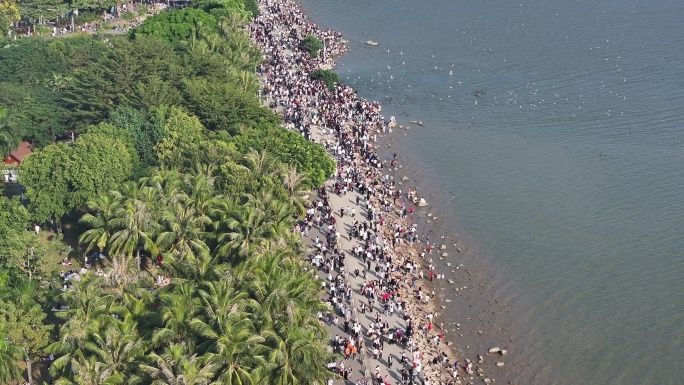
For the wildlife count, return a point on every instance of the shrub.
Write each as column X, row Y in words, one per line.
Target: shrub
column 128, row 16
column 253, row 7
column 43, row 29
column 312, row 44
column 326, row 76
column 85, row 17
column 175, row 26
column 143, row 10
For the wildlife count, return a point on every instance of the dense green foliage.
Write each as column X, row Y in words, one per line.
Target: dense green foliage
column 26, row 275
column 245, row 10
column 49, row 9
column 223, row 106
column 60, row 178
column 9, row 138
column 136, row 73
column 9, row 14
column 328, row 77
column 10, row 355
column 290, row 148
column 240, row 308
column 174, row 156
column 144, row 132
column 175, row 26
column 34, row 75
column 312, row 44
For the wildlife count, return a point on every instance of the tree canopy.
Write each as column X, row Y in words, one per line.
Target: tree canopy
column 9, row 14
column 174, row 26
column 312, row 44
column 188, row 186
column 60, row 178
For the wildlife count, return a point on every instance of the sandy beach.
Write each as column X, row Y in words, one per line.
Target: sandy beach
column 368, row 216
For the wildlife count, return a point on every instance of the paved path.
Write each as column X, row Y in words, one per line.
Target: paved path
column 351, row 263
column 362, row 366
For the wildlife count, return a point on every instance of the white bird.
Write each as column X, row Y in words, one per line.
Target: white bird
column 450, row 72
column 401, row 52
column 388, row 67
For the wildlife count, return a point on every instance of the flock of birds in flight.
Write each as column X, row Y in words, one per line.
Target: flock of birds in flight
column 396, row 91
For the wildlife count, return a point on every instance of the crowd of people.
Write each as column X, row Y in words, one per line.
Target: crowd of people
column 348, row 126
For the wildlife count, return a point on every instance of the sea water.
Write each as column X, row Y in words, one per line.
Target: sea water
column 554, row 130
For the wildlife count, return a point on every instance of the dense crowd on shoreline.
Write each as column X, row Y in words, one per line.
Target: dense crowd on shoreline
column 348, row 127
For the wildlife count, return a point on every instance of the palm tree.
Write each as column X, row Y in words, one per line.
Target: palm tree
column 204, row 267
column 185, row 232
column 222, row 301
column 199, row 47
column 124, row 274
column 240, row 47
column 88, row 307
column 241, row 231
column 175, row 366
column 167, row 184
column 136, row 305
column 280, row 215
column 60, row 82
column 296, row 185
column 245, row 78
column 201, row 191
column 179, row 306
column 100, row 218
column 10, row 355
column 231, row 24
column 270, row 247
column 286, row 296
column 296, row 356
column 137, row 223
column 88, row 370
column 117, row 345
column 214, row 42
column 261, row 163
column 234, row 349
column 231, row 343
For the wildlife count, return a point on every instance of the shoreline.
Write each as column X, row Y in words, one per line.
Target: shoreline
column 371, row 174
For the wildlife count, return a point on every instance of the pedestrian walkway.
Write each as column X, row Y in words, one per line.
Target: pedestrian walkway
column 365, row 366
column 395, row 321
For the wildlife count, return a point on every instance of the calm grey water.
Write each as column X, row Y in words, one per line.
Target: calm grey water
column 568, row 168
